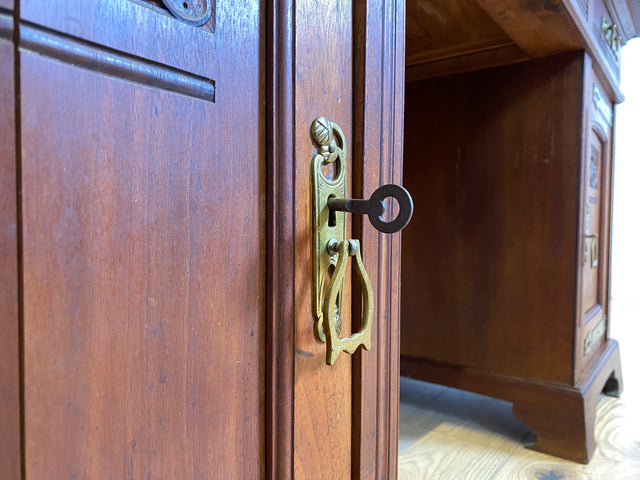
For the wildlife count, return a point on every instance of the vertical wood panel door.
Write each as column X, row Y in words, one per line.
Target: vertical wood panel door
column 342, row 60
column 9, row 304
column 159, row 309
column 144, row 240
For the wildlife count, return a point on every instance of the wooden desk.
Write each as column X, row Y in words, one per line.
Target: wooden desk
column 505, row 267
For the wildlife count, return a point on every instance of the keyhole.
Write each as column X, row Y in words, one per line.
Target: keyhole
column 185, row 5
column 332, row 214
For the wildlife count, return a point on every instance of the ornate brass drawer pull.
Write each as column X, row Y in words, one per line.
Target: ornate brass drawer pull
column 331, row 248
column 611, row 36
column 336, row 344
column 594, row 249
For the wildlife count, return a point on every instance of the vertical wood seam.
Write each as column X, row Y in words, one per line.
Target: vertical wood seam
column 19, row 232
column 358, row 121
column 281, row 245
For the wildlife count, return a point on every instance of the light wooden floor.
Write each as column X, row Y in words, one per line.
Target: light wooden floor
column 448, row 434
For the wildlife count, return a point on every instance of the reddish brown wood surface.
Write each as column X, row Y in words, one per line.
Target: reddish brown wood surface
column 592, row 305
column 561, row 416
column 538, row 29
column 144, row 255
column 282, row 260
column 340, row 421
column 444, row 29
column 489, row 262
column 9, row 360
column 378, row 123
column 592, row 202
column 446, row 37
column 322, row 393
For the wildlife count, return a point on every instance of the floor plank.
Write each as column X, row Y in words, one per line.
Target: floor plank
column 448, row 434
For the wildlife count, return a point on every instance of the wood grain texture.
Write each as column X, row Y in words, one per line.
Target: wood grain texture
column 169, row 33
column 6, row 26
column 451, row 434
column 445, row 37
column 561, row 416
column 333, row 422
column 495, row 57
column 594, row 283
column 489, row 260
column 9, row 338
column 539, row 29
column 322, row 393
column 144, row 261
column 588, row 28
column 280, row 355
column 378, row 128
column 116, row 64
column 495, row 287
column 444, row 29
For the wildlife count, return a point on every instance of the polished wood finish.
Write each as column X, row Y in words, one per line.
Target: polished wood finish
column 540, row 29
column 281, row 254
column 340, row 421
column 592, row 303
column 449, row 37
column 443, row 29
column 322, row 429
column 449, row 433
column 494, row 279
column 9, row 305
column 377, row 151
column 561, row 416
column 148, row 348
column 144, row 249
column 469, row 62
column 494, row 165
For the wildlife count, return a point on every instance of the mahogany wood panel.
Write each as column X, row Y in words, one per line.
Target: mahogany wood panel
column 377, row 155
column 540, row 29
column 9, row 341
column 446, row 37
column 348, row 411
column 587, row 24
column 169, row 33
column 281, row 295
column 597, row 160
column 594, row 284
column 489, row 259
column 444, row 28
column 144, row 261
column 561, row 416
column 495, row 57
column 322, row 393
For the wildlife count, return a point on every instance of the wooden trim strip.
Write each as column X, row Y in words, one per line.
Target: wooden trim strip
column 10, row 272
column 111, row 62
column 280, row 240
column 6, row 25
column 379, row 59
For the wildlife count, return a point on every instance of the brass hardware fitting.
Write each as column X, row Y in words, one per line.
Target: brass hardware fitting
column 612, row 37
column 331, row 249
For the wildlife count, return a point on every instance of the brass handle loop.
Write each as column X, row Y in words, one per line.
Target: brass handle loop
column 335, row 343
column 331, row 249
column 594, row 249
